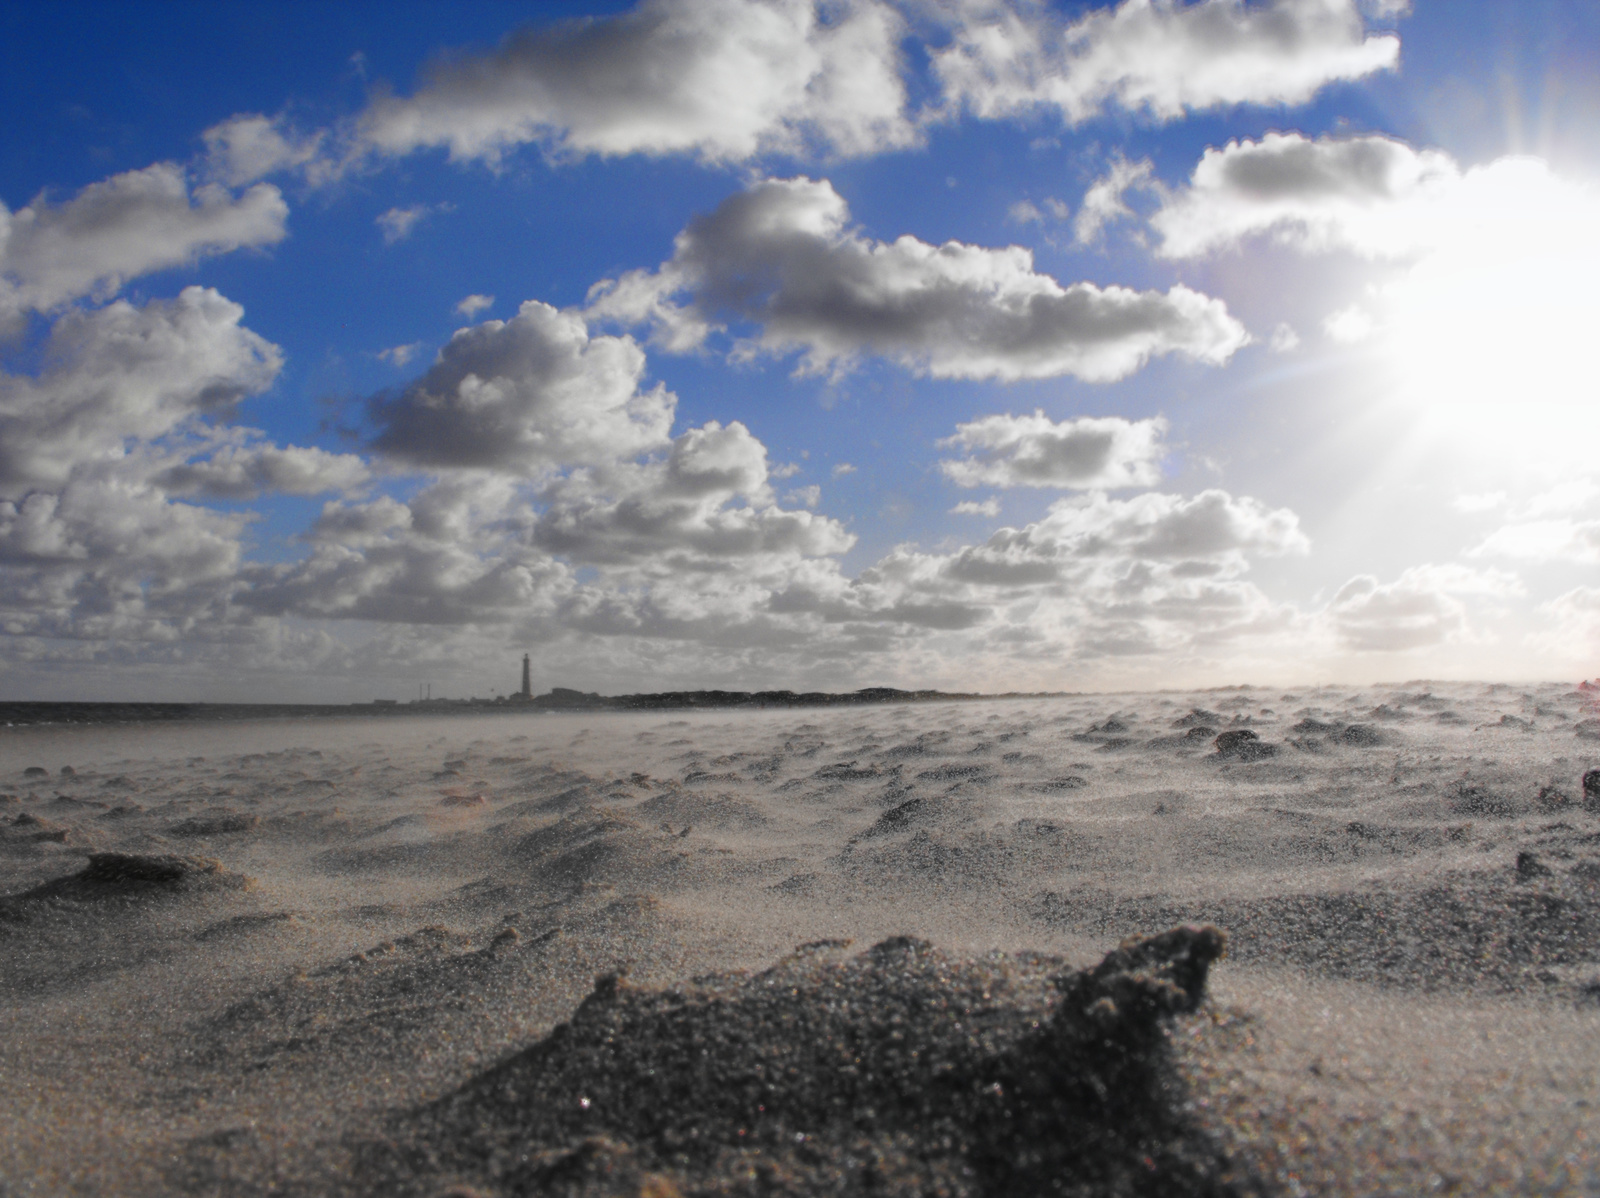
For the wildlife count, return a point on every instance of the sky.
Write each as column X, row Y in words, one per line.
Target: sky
column 986, row 345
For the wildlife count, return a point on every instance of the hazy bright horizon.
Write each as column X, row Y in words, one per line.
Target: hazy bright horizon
column 969, row 344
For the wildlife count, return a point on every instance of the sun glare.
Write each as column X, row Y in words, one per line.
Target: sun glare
column 1489, row 336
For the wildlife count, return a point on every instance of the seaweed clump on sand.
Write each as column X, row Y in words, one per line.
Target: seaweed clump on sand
column 895, row 1072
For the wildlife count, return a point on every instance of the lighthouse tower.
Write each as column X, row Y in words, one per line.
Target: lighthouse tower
column 527, row 679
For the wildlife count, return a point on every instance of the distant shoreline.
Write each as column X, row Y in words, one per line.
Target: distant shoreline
column 559, row 699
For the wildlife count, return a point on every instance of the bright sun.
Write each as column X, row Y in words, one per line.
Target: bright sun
column 1491, row 336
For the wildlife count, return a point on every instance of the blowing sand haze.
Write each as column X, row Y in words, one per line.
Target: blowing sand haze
column 855, row 950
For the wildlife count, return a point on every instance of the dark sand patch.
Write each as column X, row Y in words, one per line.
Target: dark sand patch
column 896, row 1072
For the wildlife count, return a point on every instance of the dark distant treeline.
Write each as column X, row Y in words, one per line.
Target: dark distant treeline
column 559, row 699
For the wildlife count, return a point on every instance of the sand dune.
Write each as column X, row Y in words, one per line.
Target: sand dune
column 360, row 956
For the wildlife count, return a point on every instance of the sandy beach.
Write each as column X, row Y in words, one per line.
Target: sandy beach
column 854, row 950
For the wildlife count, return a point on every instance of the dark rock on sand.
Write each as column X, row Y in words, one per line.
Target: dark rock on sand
column 1473, row 799
column 1591, row 791
column 28, row 828
column 36, row 771
column 1242, row 744
column 1361, row 735
column 1530, row 867
column 110, row 876
column 897, row 1072
column 219, row 824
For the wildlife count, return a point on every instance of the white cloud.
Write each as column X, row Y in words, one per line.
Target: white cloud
column 1372, row 195
column 1566, row 496
column 400, row 355
column 1024, row 212
column 123, row 374
column 454, row 555
column 1103, row 203
column 250, row 146
column 1350, row 326
column 1571, row 626
column 782, row 255
column 1543, row 540
column 808, row 496
column 108, row 533
column 525, row 396
column 674, row 514
column 842, row 469
column 474, row 304
column 1212, row 525
column 686, row 546
column 123, row 227
column 1423, row 607
column 721, row 79
column 1035, row 451
column 1154, row 57
column 1489, row 293
column 989, row 507
column 1155, row 575
column 396, row 224
column 1481, row 502
column 1284, row 339
column 247, row 470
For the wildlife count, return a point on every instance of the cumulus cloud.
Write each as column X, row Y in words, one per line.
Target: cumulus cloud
column 1372, row 195
column 1103, row 203
column 121, row 374
column 1034, row 451
column 686, row 545
column 525, row 396
column 120, row 228
column 842, row 469
column 249, row 146
column 474, row 304
column 246, row 470
column 109, row 556
column 781, row 255
column 720, row 79
column 1156, row 58
column 1423, row 607
column 453, row 555
column 1096, row 577
column 1571, row 631
column 675, row 514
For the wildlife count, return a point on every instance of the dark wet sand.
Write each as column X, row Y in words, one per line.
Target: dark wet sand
column 332, row 957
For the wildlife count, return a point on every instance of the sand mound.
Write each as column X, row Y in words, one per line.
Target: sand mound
column 898, row 1071
column 219, row 823
column 135, row 875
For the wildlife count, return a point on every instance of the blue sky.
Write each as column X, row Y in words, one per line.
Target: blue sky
column 769, row 343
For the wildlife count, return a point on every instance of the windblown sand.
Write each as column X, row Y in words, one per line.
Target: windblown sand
column 840, row 950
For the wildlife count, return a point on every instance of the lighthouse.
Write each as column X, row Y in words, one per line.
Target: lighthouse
column 527, row 679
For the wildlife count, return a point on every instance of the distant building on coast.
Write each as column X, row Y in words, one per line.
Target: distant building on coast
column 526, row 693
